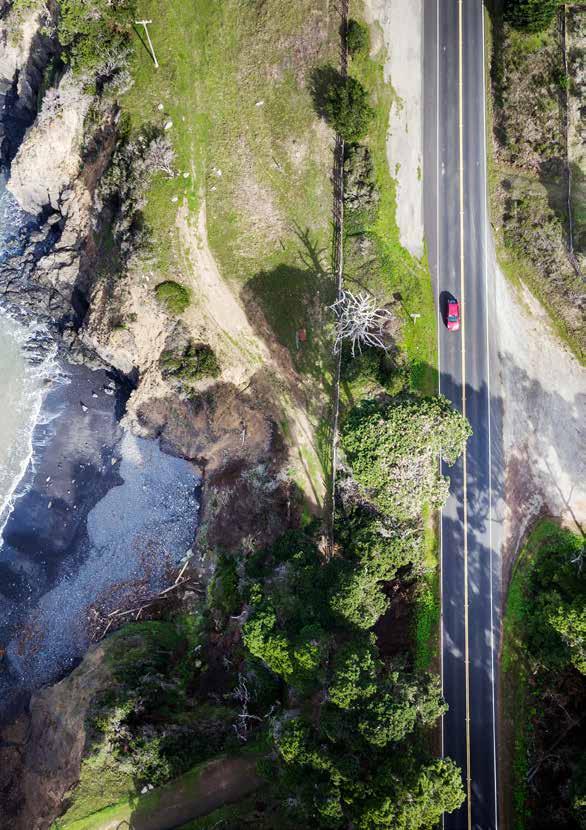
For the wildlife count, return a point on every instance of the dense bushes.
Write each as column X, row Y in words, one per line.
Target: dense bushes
column 195, row 362
column 175, row 298
column 95, row 34
column 531, row 15
column 544, row 651
column 306, row 624
column 556, row 592
column 145, row 717
column 346, row 107
column 357, row 38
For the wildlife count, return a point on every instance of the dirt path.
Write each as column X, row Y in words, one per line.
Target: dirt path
column 246, row 346
column 195, row 794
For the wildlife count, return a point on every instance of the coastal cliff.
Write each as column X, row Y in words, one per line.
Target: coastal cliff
column 116, row 255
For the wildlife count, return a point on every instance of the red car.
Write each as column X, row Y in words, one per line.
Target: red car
column 452, row 315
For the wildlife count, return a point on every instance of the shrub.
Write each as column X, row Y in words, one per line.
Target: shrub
column 346, row 108
column 357, row 38
column 173, row 296
column 91, row 31
column 223, row 591
column 195, row 362
column 531, row 15
column 361, row 195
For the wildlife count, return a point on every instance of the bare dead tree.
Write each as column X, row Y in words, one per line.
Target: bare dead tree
column 242, row 695
column 360, row 321
column 160, row 156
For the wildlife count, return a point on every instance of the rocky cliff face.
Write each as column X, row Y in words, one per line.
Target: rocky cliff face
column 49, row 158
column 26, row 52
column 41, row 752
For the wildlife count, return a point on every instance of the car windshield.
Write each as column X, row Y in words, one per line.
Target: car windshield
column 452, row 318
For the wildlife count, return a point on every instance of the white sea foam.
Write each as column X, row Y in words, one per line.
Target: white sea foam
column 23, row 387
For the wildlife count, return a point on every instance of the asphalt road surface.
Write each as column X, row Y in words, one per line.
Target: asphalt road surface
column 457, row 232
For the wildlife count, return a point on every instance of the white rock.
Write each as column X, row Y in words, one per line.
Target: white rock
column 160, row 108
column 259, row 104
column 175, row 198
column 168, row 125
column 83, row 407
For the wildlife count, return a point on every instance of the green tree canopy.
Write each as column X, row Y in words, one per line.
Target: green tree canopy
column 531, row 15
column 393, row 449
column 387, row 790
column 347, row 109
column 568, row 619
column 415, row 799
column 357, row 37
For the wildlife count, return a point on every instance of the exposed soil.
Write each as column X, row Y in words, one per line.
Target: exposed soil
column 544, row 419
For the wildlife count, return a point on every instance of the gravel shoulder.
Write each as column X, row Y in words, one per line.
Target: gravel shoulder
column 544, row 419
column 401, row 22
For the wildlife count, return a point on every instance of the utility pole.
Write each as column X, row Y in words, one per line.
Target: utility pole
column 145, row 23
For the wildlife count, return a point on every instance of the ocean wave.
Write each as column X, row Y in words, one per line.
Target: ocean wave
column 37, row 378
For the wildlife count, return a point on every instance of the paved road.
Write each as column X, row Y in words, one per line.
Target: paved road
column 457, row 233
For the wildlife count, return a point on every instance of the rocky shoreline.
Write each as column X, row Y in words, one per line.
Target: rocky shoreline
column 98, row 510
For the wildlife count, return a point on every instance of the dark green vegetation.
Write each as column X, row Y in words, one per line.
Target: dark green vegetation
column 544, row 677
column 528, row 178
column 195, row 362
column 531, row 15
column 173, row 296
column 94, row 33
column 357, row 37
column 150, row 725
column 378, row 442
column 345, row 106
column 352, row 747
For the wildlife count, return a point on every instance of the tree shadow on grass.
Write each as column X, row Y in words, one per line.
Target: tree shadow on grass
column 322, row 79
column 289, row 303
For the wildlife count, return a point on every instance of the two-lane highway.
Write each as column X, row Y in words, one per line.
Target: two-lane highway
column 456, row 223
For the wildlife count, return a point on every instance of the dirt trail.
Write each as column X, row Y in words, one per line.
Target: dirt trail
column 221, row 782
column 244, row 347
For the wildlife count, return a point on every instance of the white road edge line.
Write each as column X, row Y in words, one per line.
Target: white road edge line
column 439, row 362
column 487, row 214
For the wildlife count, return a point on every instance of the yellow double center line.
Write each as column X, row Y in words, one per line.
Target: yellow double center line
column 463, row 343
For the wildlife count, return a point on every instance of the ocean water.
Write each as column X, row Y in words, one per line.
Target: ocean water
column 21, row 385
column 18, row 409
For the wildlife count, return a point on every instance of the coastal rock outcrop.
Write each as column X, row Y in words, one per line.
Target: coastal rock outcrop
column 49, row 158
column 27, row 50
column 41, row 752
